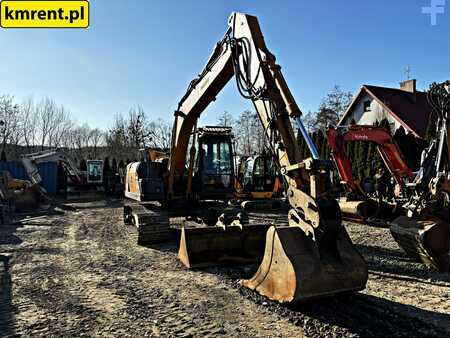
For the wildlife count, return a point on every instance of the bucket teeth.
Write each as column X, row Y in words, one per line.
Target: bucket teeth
column 426, row 240
column 295, row 268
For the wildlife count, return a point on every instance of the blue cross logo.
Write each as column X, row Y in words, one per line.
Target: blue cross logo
column 436, row 7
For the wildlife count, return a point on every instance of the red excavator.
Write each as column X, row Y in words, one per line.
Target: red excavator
column 357, row 203
column 423, row 228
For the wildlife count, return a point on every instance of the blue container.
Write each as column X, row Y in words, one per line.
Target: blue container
column 47, row 170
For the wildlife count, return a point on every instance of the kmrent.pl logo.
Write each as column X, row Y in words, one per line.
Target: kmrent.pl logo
column 44, row 14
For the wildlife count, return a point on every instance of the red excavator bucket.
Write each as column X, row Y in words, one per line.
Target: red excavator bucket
column 370, row 211
column 358, row 209
column 207, row 246
column 295, row 267
column 426, row 240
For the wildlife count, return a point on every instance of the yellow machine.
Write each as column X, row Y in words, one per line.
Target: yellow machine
column 155, row 155
column 21, row 195
column 311, row 257
column 258, row 183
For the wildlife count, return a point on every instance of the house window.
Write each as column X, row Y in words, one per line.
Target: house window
column 367, row 105
column 392, row 127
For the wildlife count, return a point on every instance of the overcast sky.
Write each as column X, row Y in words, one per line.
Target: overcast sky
column 140, row 52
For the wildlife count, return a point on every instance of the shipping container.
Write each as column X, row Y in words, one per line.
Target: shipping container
column 47, row 170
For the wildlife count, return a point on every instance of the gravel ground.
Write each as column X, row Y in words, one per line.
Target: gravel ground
column 79, row 272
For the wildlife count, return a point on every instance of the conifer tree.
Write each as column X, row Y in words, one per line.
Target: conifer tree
column 114, row 166
column 319, row 142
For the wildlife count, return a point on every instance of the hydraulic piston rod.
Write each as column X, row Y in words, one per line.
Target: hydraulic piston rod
column 311, row 146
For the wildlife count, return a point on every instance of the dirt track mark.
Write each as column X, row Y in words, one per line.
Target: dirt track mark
column 82, row 273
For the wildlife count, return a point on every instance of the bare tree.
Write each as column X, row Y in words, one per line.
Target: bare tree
column 29, row 123
column 117, row 138
column 226, row 119
column 243, row 131
column 96, row 139
column 138, row 134
column 130, row 134
column 332, row 108
column 309, row 120
column 160, row 132
column 60, row 126
column 80, row 139
column 9, row 121
column 46, row 111
column 258, row 135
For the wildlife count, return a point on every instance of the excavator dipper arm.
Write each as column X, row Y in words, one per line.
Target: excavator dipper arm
column 359, row 205
column 243, row 46
column 386, row 146
column 314, row 255
column 30, row 161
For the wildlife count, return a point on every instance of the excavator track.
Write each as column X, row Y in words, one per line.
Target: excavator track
column 151, row 221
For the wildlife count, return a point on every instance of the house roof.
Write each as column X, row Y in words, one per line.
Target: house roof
column 411, row 110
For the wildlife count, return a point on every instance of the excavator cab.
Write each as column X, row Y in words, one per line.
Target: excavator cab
column 228, row 238
column 258, row 183
column 213, row 176
column 264, row 175
column 255, row 174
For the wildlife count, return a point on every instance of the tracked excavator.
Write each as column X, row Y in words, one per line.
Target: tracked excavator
column 420, row 226
column 79, row 185
column 424, row 233
column 357, row 204
column 258, row 184
column 200, row 194
column 313, row 255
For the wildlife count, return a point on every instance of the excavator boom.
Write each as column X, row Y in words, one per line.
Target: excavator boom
column 313, row 256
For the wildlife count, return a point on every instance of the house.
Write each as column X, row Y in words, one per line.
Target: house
column 404, row 106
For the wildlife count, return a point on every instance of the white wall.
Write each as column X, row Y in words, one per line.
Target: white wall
column 376, row 113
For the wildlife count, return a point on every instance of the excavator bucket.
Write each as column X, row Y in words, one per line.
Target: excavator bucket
column 295, row 267
column 426, row 240
column 370, row 211
column 209, row 246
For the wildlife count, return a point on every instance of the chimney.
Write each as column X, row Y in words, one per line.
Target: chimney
column 408, row 86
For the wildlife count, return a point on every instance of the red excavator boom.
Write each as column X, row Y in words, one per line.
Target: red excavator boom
column 387, row 148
